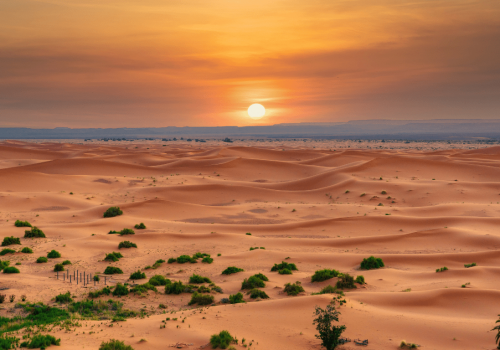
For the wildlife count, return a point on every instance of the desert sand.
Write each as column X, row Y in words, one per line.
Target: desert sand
column 423, row 208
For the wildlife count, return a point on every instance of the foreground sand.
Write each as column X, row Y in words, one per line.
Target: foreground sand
column 302, row 203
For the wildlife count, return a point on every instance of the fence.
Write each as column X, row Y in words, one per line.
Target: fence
column 79, row 278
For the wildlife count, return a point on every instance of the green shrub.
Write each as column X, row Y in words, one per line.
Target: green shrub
column 42, row 259
column 171, row 260
column 111, row 270
column 330, row 290
column 159, row 280
column 66, row 262
column 140, row 226
column 328, row 332
column 236, row 298
column 293, row 289
column 470, row 265
column 113, row 256
column 120, row 290
column 127, row 244
column 98, row 293
column 174, row 288
column 262, row 277
column 257, row 293
column 360, row 279
column 10, row 240
column 40, row 341
column 372, row 263
column 7, row 343
column 221, row 340
column 231, row 269
column 252, row 282
column 207, row 260
column 53, row 254
column 7, row 251
column 345, row 281
column 35, row 232
column 285, row 272
column 323, row 275
column 203, row 289
column 199, row 279
column 11, row 269
column 112, row 212
column 20, row 223
column 58, row 267
column 284, row 265
column 4, row 264
column 96, row 278
column 142, row 288
column 185, row 259
column 64, row 298
column 127, row 231
column 114, row 345
column 27, row 250
column 137, row 275
column 201, row 299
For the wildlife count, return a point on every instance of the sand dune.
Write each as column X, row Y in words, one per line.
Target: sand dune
column 323, row 207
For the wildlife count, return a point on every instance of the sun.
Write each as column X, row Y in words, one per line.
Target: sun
column 256, row 111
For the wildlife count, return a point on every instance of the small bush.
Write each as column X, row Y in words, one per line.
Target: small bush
column 345, row 281
column 10, row 240
column 331, row 290
column 174, row 288
column 20, row 223
column 171, row 260
column 185, row 259
column 66, row 262
column 372, row 263
column 64, row 298
column 137, row 275
column 40, row 341
column 470, row 265
column 111, row 270
column 11, row 269
column 35, row 232
column 7, row 342
column 323, row 275
column 115, row 345
column 96, row 278
column 42, row 259
column 113, row 256
column 27, row 250
column 360, row 279
column 207, row 260
column 293, row 289
column 284, row 265
column 143, row 288
column 127, row 231
column 199, row 279
column 127, row 244
column 285, row 272
column 252, row 282
column 58, row 267
column 221, row 340
column 112, row 212
column 201, row 299
column 53, row 254
column 98, row 293
column 262, row 277
column 140, row 226
column 120, row 290
column 236, row 298
column 159, row 280
column 232, row 269
column 257, row 293
column 7, row 251
column 442, row 269
column 2, row 298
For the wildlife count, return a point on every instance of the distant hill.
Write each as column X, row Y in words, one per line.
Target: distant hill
column 438, row 129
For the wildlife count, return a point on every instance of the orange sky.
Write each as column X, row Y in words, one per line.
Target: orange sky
column 95, row 63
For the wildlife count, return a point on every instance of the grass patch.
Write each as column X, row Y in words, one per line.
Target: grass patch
column 40, row 341
column 442, row 269
column 470, row 265
column 64, row 298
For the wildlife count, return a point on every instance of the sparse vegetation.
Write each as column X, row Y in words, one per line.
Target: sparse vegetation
column 114, row 345
column 40, row 341
column 284, row 268
column 232, row 269
column 293, row 289
column 10, row 240
column 112, row 270
column 323, row 275
column 112, row 212
column 140, row 226
column 35, row 232
column 442, row 269
column 127, row 244
column 345, row 281
column 372, row 263
column 201, row 299
column 113, row 256
column 64, row 298
column 199, row 279
column 20, row 223
column 98, row 293
column 328, row 332
column 470, row 265
column 53, row 254
column 221, row 340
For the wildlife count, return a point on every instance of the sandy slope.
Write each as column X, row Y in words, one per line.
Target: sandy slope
column 322, row 207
